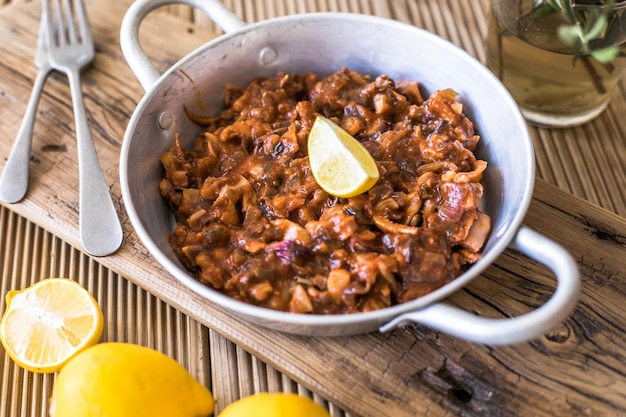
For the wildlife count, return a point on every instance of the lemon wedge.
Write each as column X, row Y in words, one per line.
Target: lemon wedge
column 117, row 379
column 340, row 164
column 274, row 405
column 46, row 324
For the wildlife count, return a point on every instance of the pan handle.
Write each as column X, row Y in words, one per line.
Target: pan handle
column 466, row 325
column 136, row 58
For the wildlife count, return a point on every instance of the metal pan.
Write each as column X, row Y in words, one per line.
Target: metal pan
column 325, row 42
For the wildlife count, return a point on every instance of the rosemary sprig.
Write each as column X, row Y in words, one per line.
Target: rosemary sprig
column 591, row 30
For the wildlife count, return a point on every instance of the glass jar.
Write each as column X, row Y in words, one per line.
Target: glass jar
column 557, row 79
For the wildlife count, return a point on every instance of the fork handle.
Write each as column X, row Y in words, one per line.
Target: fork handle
column 14, row 180
column 100, row 229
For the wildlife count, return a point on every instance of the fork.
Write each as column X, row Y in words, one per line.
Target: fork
column 14, row 180
column 70, row 49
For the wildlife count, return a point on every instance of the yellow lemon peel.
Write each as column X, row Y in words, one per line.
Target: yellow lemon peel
column 340, row 164
column 127, row 380
column 274, row 405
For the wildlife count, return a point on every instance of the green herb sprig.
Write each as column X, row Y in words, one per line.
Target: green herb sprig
column 592, row 26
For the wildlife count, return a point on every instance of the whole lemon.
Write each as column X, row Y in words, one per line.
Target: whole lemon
column 274, row 405
column 127, row 380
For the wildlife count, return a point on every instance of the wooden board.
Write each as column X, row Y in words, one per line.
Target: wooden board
column 577, row 369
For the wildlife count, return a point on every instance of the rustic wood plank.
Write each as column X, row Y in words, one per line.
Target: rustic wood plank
column 578, row 368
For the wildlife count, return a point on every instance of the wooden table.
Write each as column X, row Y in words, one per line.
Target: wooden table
column 578, row 369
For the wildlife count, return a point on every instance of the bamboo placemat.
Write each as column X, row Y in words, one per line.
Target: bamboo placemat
column 588, row 161
column 28, row 253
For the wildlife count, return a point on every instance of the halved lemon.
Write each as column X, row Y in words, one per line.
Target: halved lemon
column 340, row 164
column 46, row 324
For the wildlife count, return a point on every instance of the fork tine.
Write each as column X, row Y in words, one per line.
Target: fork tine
column 69, row 20
column 50, row 28
column 60, row 27
column 54, row 22
column 83, row 22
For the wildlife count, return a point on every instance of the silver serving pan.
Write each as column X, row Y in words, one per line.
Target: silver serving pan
column 325, row 42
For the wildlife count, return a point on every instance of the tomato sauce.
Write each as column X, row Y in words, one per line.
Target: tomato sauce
column 254, row 224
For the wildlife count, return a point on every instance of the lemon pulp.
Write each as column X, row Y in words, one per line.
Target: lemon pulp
column 46, row 324
column 340, row 164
